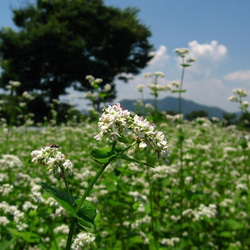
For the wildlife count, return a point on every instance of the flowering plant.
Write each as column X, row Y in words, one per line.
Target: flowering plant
column 119, row 126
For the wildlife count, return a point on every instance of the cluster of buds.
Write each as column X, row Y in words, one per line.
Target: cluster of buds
column 53, row 159
column 115, row 123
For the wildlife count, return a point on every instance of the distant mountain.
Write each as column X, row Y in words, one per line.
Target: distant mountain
column 172, row 104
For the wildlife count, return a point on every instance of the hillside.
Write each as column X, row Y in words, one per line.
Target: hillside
column 172, row 104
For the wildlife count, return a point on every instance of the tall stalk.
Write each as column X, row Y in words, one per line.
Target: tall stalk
column 182, row 53
column 72, row 226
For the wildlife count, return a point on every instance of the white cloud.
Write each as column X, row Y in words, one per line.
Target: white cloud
column 160, row 57
column 212, row 51
column 208, row 57
column 239, row 76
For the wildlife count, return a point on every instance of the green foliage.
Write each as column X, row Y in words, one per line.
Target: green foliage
column 195, row 114
column 86, row 214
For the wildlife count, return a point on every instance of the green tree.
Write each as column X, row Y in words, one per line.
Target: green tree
column 195, row 114
column 59, row 42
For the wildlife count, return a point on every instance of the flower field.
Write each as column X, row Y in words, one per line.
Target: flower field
column 198, row 201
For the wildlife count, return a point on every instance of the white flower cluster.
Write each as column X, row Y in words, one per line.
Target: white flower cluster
column 116, row 122
column 94, row 81
column 154, row 74
column 237, row 97
column 159, row 87
column 5, row 189
column 53, row 159
column 82, row 239
column 140, row 87
column 170, row 242
column 17, row 215
column 13, row 84
column 201, row 213
column 27, row 96
column 10, row 161
column 90, row 95
column 240, row 92
column 181, row 51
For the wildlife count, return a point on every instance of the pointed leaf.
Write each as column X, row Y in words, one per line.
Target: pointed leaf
column 178, row 91
column 61, row 197
column 27, row 236
column 103, row 155
column 185, row 65
column 86, row 214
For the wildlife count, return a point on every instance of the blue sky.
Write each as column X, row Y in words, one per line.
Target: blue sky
column 216, row 33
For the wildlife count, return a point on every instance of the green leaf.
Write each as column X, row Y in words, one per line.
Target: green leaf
column 5, row 244
column 61, row 197
column 103, row 155
column 185, row 65
column 27, row 236
column 124, row 157
column 123, row 139
column 86, row 214
column 226, row 234
column 178, row 91
column 235, row 225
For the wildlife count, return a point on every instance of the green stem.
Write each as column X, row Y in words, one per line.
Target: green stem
column 120, row 218
column 91, row 186
column 71, row 231
column 151, row 212
column 67, row 187
column 181, row 85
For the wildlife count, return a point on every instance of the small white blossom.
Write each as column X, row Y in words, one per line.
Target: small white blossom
column 81, row 240
column 53, row 159
column 107, row 87
column 14, row 83
column 240, row 92
column 140, row 87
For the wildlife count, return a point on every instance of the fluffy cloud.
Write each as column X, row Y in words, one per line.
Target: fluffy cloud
column 208, row 56
column 160, row 57
column 239, row 76
column 212, row 51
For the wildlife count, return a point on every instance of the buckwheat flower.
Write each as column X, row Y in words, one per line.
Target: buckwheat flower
column 149, row 106
column 140, row 87
column 147, row 75
column 159, row 74
column 181, row 51
column 169, row 242
column 15, row 83
column 64, row 229
column 28, row 205
column 89, row 78
column 26, row 95
column 53, row 159
column 240, row 92
column 4, row 221
column 107, row 87
column 82, row 239
column 191, row 59
column 245, row 104
column 233, row 98
column 5, row 189
column 205, row 211
column 113, row 122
